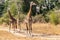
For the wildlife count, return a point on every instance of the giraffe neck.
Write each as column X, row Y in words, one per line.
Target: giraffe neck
column 10, row 16
column 30, row 11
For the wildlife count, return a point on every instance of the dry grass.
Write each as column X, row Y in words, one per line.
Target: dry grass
column 8, row 36
column 46, row 28
column 37, row 28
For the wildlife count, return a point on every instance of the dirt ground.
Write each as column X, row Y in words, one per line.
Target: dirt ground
column 46, row 28
column 8, row 36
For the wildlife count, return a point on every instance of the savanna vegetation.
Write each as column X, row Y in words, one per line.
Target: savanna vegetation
column 48, row 12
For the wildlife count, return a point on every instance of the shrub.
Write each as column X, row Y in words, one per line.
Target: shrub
column 21, row 16
column 38, row 18
column 53, row 18
column 4, row 18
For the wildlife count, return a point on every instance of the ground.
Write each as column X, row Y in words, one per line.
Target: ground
column 8, row 36
column 39, row 28
column 45, row 28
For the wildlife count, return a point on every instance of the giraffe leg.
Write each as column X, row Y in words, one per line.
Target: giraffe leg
column 27, row 27
column 15, row 27
column 9, row 27
column 19, row 26
column 30, row 27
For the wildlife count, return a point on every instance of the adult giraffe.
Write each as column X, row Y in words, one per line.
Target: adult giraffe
column 13, row 21
column 28, row 19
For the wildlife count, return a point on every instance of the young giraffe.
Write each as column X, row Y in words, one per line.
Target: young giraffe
column 13, row 21
column 28, row 19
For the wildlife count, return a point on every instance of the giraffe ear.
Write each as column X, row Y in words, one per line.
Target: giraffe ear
column 34, row 3
column 8, row 8
column 31, row 2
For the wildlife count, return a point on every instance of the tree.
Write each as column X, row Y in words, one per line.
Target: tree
column 1, row 9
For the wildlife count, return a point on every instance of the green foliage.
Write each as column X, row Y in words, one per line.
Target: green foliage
column 46, row 18
column 53, row 18
column 1, row 9
column 4, row 18
column 26, row 5
column 13, row 9
column 59, row 20
column 24, row 8
column 22, row 16
column 6, row 5
column 38, row 18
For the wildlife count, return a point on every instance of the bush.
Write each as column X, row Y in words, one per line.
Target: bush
column 53, row 18
column 4, row 18
column 21, row 16
column 38, row 18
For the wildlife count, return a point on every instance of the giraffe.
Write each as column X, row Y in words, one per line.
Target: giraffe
column 28, row 19
column 13, row 21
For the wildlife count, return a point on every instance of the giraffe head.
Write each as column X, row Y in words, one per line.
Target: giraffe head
column 32, row 3
column 8, row 9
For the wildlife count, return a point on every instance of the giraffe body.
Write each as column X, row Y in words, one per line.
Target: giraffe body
column 13, row 22
column 28, row 19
